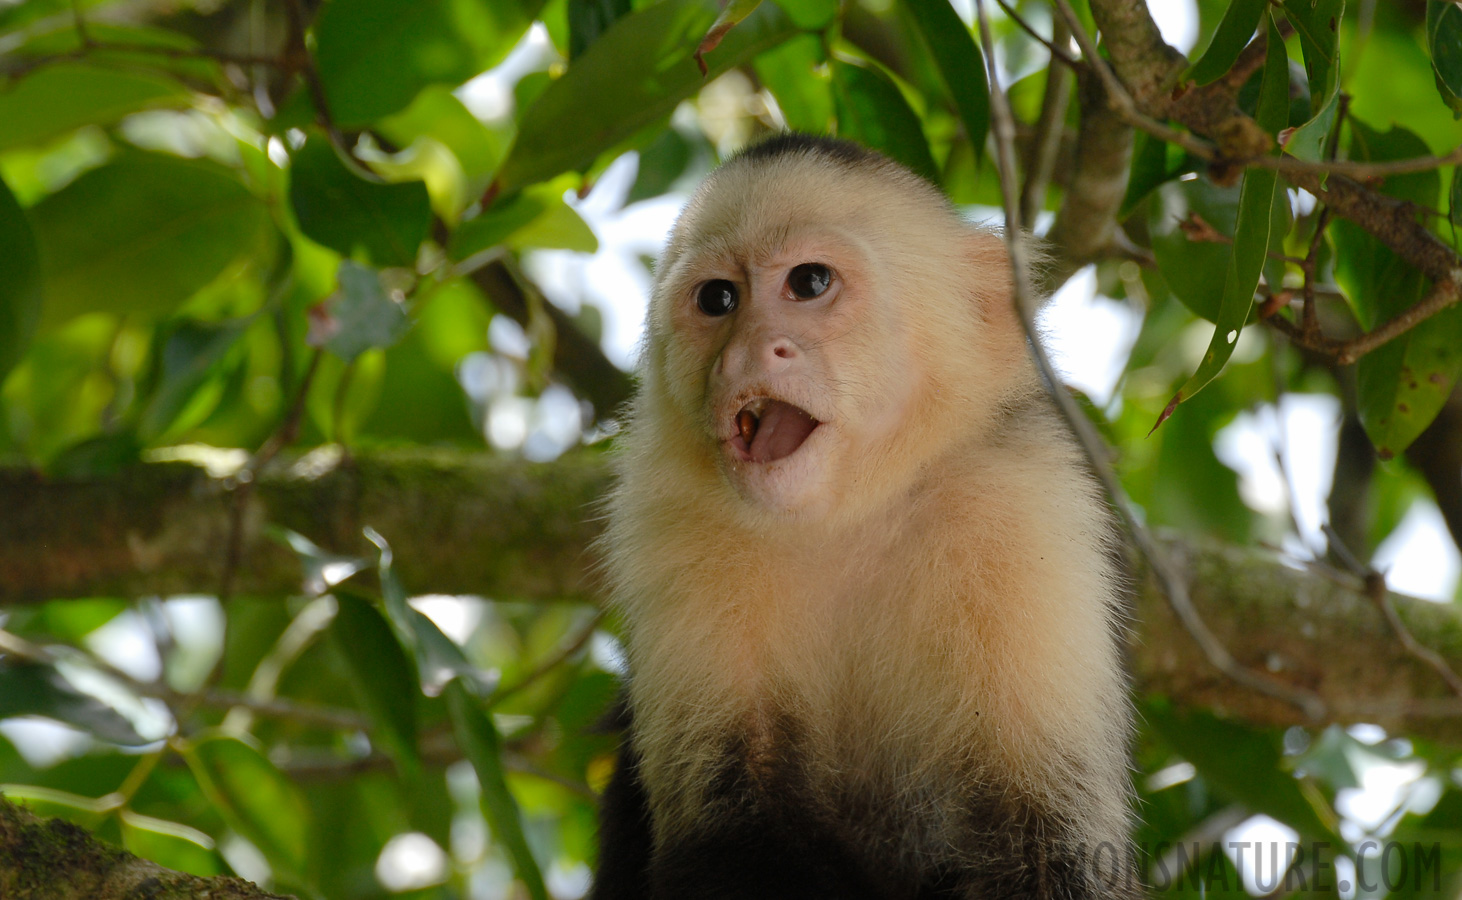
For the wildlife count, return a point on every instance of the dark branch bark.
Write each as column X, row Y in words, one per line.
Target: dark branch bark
column 473, row 523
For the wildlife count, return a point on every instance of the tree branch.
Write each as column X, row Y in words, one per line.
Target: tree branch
column 477, row 523
column 56, row 860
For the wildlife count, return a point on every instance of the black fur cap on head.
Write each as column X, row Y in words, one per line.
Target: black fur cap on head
column 790, row 143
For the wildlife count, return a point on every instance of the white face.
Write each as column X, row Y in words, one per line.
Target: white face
column 782, row 358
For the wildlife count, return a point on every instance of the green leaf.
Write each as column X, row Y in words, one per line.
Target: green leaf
column 39, row 690
column 588, row 19
column 253, row 797
column 62, row 97
column 189, row 356
column 811, row 15
column 1246, row 765
column 494, row 225
column 20, row 281
column 1151, row 168
column 537, row 218
column 381, row 675
column 364, row 315
column 872, row 110
column 1251, row 231
column 479, row 741
column 323, row 570
column 960, row 64
column 1308, row 141
column 795, row 75
column 345, row 212
column 633, row 76
column 1240, row 21
column 437, row 113
column 142, row 234
column 1444, row 40
column 1403, row 384
column 439, row 662
column 374, row 56
column 730, row 16
column 1318, row 24
column 1454, row 212
column 170, row 844
column 664, row 161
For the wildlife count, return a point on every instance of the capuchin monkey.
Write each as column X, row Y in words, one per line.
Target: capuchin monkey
column 868, row 586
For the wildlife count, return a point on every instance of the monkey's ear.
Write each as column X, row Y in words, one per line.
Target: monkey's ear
column 994, row 285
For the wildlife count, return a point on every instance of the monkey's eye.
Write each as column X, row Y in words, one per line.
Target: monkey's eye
column 716, row 298
column 809, row 280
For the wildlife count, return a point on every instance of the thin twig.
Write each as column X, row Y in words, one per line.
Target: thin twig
column 1443, row 294
column 1050, row 128
column 1003, row 126
column 297, row 49
column 244, row 480
column 1309, row 321
column 1057, row 51
column 22, row 66
column 1448, row 288
column 1123, row 103
column 553, row 662
column 1374, row 584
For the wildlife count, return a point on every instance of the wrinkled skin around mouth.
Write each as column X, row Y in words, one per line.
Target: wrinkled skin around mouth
column 768, row 430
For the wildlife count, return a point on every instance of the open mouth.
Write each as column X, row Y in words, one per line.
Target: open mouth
column 768, row 430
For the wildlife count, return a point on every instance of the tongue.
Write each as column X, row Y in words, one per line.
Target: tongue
column 780, row 431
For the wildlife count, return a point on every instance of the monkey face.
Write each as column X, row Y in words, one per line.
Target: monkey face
column 818, row 334
column 775, row 354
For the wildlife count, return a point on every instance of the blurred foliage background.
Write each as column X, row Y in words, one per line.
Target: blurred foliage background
column 287, row 235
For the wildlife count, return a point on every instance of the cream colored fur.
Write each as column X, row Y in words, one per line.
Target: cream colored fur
column 943, row 619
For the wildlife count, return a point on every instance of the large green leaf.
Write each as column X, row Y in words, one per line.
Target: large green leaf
column 439, row 662
column 479, row 741
column 588, row 19
column 1251, row 231
column 960, row 64
column 381, row 674
column 537, row 217
column 1444, row 40
column 40, row 690
column 375, row 55
column 633, row 76
column 58, row 98
column 437, row 113
column 793, row 73
column 1403, row 384
column 1246, row 765
column 345, row 212
column 20, row 281
column 872, row 110
column 189, row 356
column 142, row 234
column 1154, row 163
column 1318, row 24
column 253, row 797
column 1240, row 21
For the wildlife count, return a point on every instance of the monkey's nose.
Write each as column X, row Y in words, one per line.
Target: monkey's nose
column 778, row 353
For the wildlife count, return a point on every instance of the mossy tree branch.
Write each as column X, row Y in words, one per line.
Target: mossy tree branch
column 56, row 860
column 474, row 523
